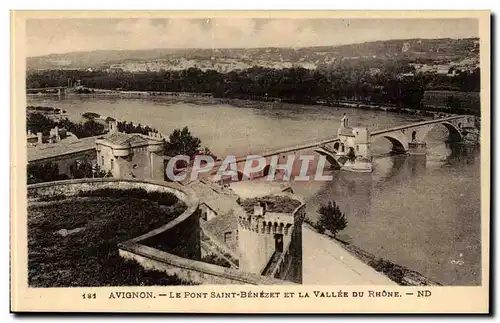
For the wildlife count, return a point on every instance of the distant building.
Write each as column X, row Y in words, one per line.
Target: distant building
column 124, row 155
column 55, row 135
column 214, row 199
column 64, row 153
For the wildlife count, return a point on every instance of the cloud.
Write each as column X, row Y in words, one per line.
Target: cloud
column 66, row 35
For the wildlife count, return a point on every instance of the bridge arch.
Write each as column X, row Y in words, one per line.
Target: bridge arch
column 330, row 157
column 454, row 131
column 399, row 143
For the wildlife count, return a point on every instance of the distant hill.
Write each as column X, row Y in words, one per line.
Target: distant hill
column 411, row 49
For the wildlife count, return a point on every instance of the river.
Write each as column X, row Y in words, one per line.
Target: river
column 420, row 212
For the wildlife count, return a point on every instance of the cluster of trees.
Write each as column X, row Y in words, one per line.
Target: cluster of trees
column 49, row 171
column 44, row 109
column 36, row 122
column 86, row 170
column 46, row 172
column 91, row 115
column 129, row 127
column 88, row 128
column 343, row 80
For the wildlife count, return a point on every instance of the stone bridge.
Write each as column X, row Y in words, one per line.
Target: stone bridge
column 402, row 137
column 405, row 139
column 286, row 156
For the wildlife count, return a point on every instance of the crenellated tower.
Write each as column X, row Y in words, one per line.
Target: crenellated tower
column 265, row 238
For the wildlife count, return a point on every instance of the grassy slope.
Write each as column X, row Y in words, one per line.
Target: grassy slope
column 90, row 257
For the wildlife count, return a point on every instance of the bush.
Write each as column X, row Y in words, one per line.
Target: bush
column 395, row 272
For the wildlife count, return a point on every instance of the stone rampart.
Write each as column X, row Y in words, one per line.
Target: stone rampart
column 182, row 231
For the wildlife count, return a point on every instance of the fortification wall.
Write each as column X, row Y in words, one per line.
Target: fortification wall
column 192, row 270
column 73, row 186
column 179, row 239
column 294, row 271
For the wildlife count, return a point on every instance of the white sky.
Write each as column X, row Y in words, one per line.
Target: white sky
column 45, row 36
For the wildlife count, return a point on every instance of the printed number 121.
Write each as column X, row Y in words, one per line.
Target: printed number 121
column 89, row 296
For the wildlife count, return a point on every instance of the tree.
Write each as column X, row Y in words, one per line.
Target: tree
column 331, row 218
column 182, row 142
column 351, row 155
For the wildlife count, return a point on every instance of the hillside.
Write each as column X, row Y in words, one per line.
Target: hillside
column 418, row 50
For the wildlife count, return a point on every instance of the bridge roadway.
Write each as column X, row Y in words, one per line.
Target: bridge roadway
column 321, row 143
column 288, row 149
column 416, row 124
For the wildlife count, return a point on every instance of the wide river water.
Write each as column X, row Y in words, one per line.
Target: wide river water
column 420, row 212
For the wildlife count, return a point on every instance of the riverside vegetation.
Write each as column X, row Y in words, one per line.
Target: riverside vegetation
column 345, row 80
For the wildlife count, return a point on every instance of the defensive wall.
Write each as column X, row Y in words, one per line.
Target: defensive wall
column 173, row 248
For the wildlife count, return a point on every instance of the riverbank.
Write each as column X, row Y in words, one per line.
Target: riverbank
column 209, row 98
column 399, row 274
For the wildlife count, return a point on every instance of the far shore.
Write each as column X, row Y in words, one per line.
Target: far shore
column 209, row 98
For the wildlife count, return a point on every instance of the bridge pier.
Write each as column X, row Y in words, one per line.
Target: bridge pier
column 417, row 148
